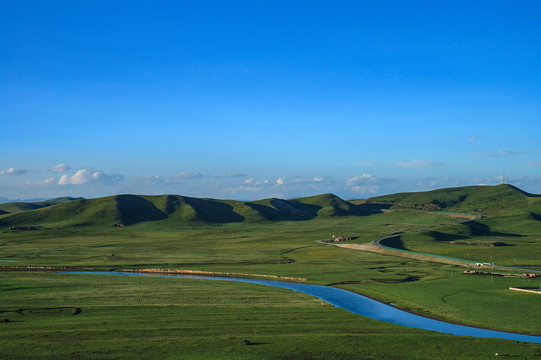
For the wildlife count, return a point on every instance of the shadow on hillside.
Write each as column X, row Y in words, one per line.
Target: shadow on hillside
column 172, row 203
column 394, row 242
column 478, row 229
column 134, row 209
column 374, row 207
column 284, row 210
column 444, row 237
column 214, row 211
column 535, row 216
column 296, row 208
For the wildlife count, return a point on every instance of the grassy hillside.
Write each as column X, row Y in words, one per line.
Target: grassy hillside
column 489, row 201
column 175, row 209
column 484, row 200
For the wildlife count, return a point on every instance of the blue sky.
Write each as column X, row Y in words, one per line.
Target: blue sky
column 253, row 99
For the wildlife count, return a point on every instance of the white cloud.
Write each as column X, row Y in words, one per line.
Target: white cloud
column 367, row 183
column 248, row 181
column 404, row 163
column 60, row 168
column 280, row 181
column 90, row 176
column 474, row 138
column 13, row 171
column 318, row 179
column 362, row 180
column 534, row 164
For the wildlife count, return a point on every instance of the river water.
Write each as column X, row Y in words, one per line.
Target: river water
column 355, row 303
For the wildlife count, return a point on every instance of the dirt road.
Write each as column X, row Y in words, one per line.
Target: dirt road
column 371, row 247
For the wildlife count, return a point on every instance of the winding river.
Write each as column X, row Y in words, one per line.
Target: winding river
column 357, row 304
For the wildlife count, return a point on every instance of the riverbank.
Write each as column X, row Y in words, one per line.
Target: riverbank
column 156, row 271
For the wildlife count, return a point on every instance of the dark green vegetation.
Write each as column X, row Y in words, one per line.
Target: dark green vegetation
column 126, row 317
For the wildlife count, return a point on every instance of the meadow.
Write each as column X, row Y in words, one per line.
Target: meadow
column 171, row 318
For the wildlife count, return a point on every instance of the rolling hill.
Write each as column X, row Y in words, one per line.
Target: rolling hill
column 502, row 200
column 132, row 209
column 484, row 200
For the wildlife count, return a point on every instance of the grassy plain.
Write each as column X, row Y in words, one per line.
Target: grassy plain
column 125, row 317
column 171, row 318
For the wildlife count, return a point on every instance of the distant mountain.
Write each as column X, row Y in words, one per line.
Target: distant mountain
column 16, row 206
column 6, row 200
column 133, row 209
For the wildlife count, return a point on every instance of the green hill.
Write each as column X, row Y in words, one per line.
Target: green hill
column 485, row 200
column 133, row 209
column 502, row 200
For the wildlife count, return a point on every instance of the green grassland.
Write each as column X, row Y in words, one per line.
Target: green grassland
column 171, row 318
column 125, row 317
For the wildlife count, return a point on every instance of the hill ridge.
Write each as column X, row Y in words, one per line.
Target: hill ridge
column 481, row 199
column 131, row 209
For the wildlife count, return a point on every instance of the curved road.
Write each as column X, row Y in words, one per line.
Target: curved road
column 376, row 247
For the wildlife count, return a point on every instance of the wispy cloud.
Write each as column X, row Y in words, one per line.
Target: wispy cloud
column 60, row 168
column 13, row 171
column 367, row 183
column 534, row 164
column 427, row 183
column 48, row 181
column 451, row 181
column 404, row 163
column 285, row 186
column 151, row 180
column 474, row 138
column 187, row 175
column 502, row 154
column 231, row 175
column 90, row 176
